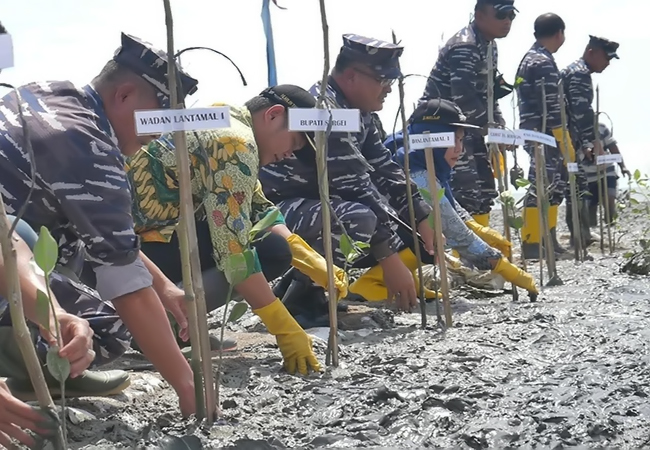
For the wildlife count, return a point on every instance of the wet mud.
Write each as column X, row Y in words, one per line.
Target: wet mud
column 568, row 371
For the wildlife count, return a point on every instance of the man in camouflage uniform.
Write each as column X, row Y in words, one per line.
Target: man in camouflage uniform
column 537, row 67
column 460, row 75
column 579, row 90
column 79, row 137
column 610, row 146
column 360, row 172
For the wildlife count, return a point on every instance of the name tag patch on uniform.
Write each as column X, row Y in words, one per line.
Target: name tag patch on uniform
column 160, row 121
column 312, row 119
column 501, row 136
column 432, row 140
column 6, row 51
column 609, row 159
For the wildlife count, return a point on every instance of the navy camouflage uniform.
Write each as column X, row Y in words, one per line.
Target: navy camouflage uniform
column 361, row 173
column 579, row 91
column 609, row 172
column 81, row 193
column 539, row 63
column 460, row 75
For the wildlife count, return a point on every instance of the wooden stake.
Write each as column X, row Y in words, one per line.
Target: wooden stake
column 495, row 152
column 409, row 197
column 437, row 228
column 575, row 212
column 602, row 181
column 192, row 279
column 324, row 193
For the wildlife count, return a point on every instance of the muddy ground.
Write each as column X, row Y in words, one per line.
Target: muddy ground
column 570, row 370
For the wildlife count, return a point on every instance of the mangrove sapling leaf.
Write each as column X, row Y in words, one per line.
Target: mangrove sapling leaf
column 237, row 311
column 265, row 223
column 46, row 251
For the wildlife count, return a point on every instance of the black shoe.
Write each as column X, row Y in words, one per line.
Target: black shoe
column 308, row 303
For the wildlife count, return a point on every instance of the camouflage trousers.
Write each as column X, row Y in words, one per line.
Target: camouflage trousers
column 304, row 217
column 473, row 181
column 556, row 176
column 111, row 337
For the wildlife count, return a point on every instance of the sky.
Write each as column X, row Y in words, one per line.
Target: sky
column 72, row 40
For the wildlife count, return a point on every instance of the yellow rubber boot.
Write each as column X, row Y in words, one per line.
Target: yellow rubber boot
column 455, row 254
column 482, row 219
column 530, row 234
column 516, row 276
column 371, row 284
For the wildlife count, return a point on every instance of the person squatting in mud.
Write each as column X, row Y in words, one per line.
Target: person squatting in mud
column 362, row 173
column 478, row 246
column 92, row 336
column 537, row 66
column 579, row 91
column 460, row 75
column 229, row 201
column 79, row 137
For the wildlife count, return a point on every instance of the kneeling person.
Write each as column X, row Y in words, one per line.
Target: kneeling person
column 479, row 245
column 229, row 201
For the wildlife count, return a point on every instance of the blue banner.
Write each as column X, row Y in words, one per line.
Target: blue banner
column 270, row 49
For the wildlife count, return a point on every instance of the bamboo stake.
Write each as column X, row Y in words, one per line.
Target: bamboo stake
column 495, row 152
column 192, row 280
column 602, row 177
column 577, row 231
column 599, row 181
column 19, row 324
column 437, row 228
column 539, row 188
column 324, row 193
column 554, row 279
column 409, row 197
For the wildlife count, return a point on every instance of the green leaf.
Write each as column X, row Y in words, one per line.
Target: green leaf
column 265, row 223
column 522, row 182
column 46, row 251
column 362, row 245
column 346, row 246
column 518, row 81
column 43, row 309
column 441, row 193
column 637, row 175
column 431, row 222
column 236, row 268
column 237, row 311
column 516, row 222
column 634, row 201
column 628, row 255
column 425, row 194
column 58, row 367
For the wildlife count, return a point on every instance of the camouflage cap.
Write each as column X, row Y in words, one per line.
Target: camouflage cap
column 440, row 112
column 499, row 5
column 610, row 47
column 151, row 64
column 382, row 57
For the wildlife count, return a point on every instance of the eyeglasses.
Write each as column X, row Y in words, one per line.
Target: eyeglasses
column 503, row 15
column 385, row 82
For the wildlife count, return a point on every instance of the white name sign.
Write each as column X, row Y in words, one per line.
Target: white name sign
column 159, row 121
column 6, row 51
column 507, row 137
column 609, row 159
column 535, row 136
column 572, row 167
column 313, row 119
column 432, row 140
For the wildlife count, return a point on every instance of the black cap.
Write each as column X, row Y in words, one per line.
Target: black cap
column 3, row 30
column 499, row 5
column 440, row 112
column 609, row 47
column 289, row 96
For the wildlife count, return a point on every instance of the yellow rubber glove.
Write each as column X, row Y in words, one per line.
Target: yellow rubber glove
column 295, row 345
column 491, row 237
column 567, row 150
column 516, row 276
column 309, row 262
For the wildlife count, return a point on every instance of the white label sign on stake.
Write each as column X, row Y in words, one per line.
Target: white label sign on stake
column 313, row 119
column 501, row 136
column 6, row 51
column 160, row 121
column 432, row 140
column 535, row 136
column 609, row 159
column 572, row 167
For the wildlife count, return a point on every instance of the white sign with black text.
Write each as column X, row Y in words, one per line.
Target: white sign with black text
column 572, row 167
column 501, row 136
column 159, row 121
column 536, row 136
column 432, row 140
column 609, row 159
column 313, row 119
column 6, row 51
